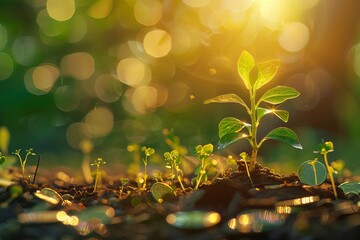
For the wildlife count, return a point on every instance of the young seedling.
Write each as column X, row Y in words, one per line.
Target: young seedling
column 254, row 77
column 98, row 162
column 203, row 153
column 243, row 159
column 173, row 161
column 148, row 153
column 123, row 181
column 23, row 161
column 325, row 148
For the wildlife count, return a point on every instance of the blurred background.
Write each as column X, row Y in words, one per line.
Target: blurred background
column 96, row 76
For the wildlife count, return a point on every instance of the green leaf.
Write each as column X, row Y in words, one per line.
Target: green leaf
column 230, row 125
column 282, row 114
column 279, row 94
column 312, row 172
column 244, row 66
column 266, row 72
column 2, row 159
column 230, row 138
column 285, row 135
column 226, row 98
column 208, row 148
column 350, row 187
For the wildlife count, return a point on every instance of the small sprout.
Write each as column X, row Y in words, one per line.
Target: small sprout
column 148, row 153
column 255, row 76
column 324, row 148
column 98, row 162
column 23, row 161
column 2, row 159
column 123, row 181
column 244, row 158
column 202, row 152
column 173, row 161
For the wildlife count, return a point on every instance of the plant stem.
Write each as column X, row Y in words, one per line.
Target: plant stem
column 181, row 184
column 202, row 170
column 96, row 177
column 145, row 171
column 254, row 125
column 330, row 174
column 248, row 173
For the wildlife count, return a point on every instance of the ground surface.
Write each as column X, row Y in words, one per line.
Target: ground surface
column 276, row 207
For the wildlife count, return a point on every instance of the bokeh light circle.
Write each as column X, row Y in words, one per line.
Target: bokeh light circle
column 44, row 77
column 133, row 72
column 157, row 43
column 76, row 134
column 99, row 122
column 196, row 3
column 3, row 36
column 25, row 50
column 66, row 98
column 108, row 89
column 294, row 37
column 80, row 65
column 148, row 12
column 6, row 66
column 100, row 9
column 60, row 10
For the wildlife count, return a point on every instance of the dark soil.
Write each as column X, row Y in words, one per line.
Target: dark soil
column 276, row 207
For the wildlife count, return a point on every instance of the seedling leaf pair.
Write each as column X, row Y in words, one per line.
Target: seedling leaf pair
column 265, row 71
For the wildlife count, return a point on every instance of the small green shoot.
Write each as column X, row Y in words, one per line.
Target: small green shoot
column 323, row 149
column 254, row 77
column 244, row 158
column 173, row 161
column 23, row 161
column 203, row 153
column 312, row 172
column 98, row 162
column 123, row 181
column 148, row 153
